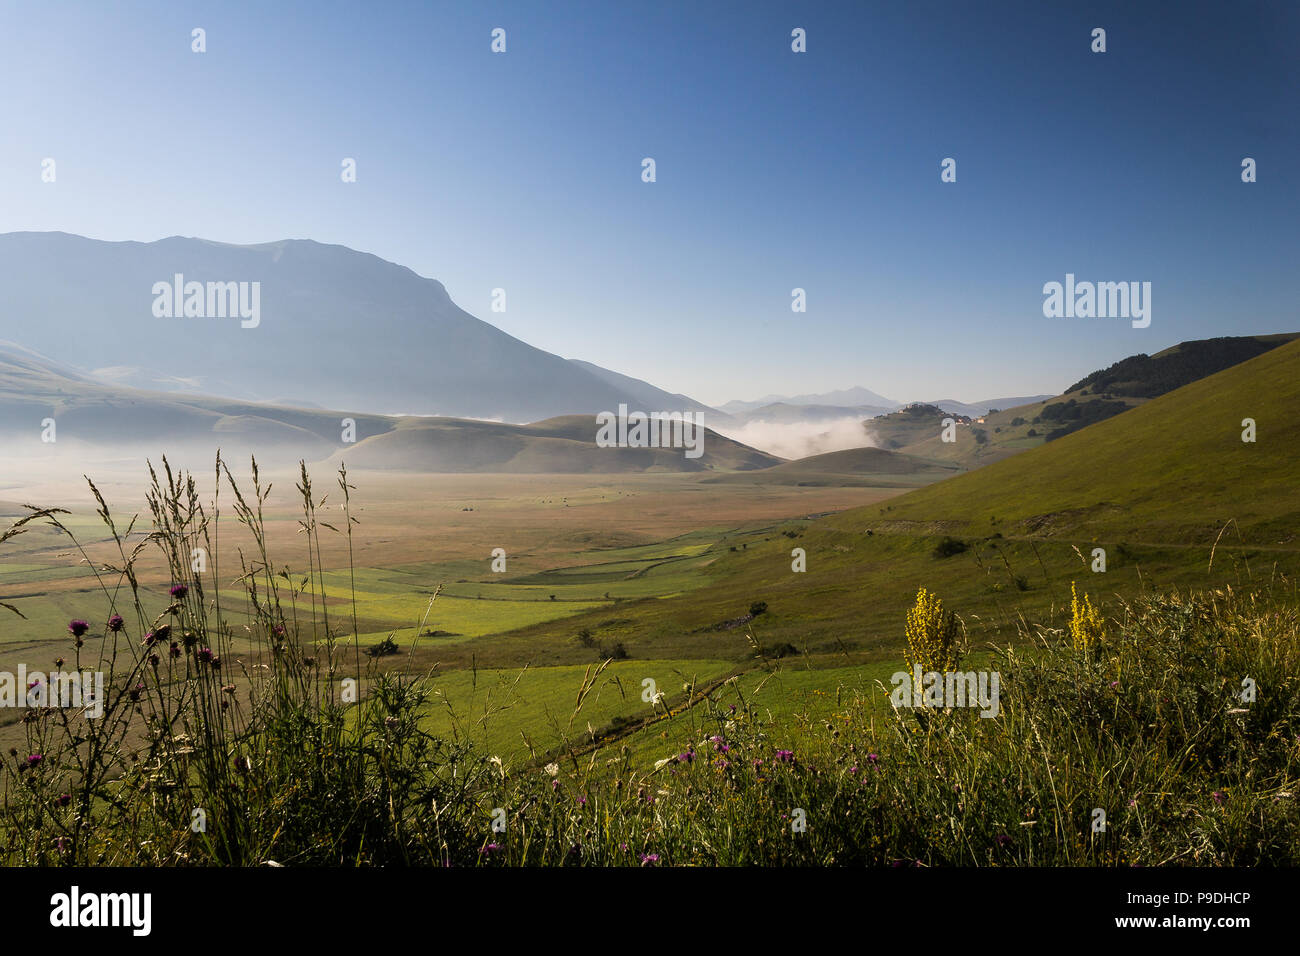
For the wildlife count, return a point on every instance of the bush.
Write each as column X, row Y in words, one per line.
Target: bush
column 948, row 547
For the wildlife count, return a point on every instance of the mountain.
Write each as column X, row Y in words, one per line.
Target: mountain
column 784, row 413
column 648, row 397
column 333, row 328
column 976, row 409
column 846, row 396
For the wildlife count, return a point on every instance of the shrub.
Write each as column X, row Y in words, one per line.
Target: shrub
column 949, row 546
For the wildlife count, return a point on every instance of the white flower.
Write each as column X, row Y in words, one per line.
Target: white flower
column 553, row 769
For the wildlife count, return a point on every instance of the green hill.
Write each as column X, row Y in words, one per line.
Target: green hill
column 851, row 467
column 1174, row 469
column 1153, row 487
column 1100, row 395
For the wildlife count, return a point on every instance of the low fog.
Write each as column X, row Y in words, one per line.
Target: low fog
column 800, row 439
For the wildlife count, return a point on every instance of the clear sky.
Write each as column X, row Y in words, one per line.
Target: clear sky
column 775, row 170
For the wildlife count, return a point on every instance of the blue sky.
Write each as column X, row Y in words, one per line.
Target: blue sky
column 776, row 170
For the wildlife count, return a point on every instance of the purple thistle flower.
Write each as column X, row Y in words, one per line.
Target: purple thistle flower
column 78, row 628
column 34, row 759
column 785, row 756
column 205, row 654
column 648, row 859
column 115, row 623
column 179, row 591
column 1219, row 796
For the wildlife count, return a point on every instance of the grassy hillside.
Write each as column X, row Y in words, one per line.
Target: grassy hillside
column 850, row 467
column 1174, row 469
column 1153, row 487
column 1098, row 396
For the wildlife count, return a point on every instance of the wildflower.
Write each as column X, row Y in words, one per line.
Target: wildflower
column 686, row 757
column 553, row 769
column 932, row 634
column 873, row 758
column 63, row 799
column 115, row 623
column 34, row 759
column 1085, row 621
column 205, row 654
column 785, row 756
column 175, row 649
column 229, row 689
column 135, row 691
column 1219, row 796
column 58, row 662
column 648, row 859
column 179, row 591
column 582, row 801
column 490, row 848
column 78, row 628
column 1004, row 839
column 153, row 660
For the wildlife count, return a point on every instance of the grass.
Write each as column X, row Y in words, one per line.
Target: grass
column 747, row 759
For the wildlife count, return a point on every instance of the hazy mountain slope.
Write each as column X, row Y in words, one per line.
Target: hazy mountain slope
column 338, row 328
column 976, row 409
column 844, row 396
column 651, row 399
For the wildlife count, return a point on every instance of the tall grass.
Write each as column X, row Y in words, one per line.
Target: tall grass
column 231, row 736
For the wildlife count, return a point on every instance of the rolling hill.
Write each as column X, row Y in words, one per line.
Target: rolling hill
column 558, row 445
column 852, row 467
column 99, row 422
